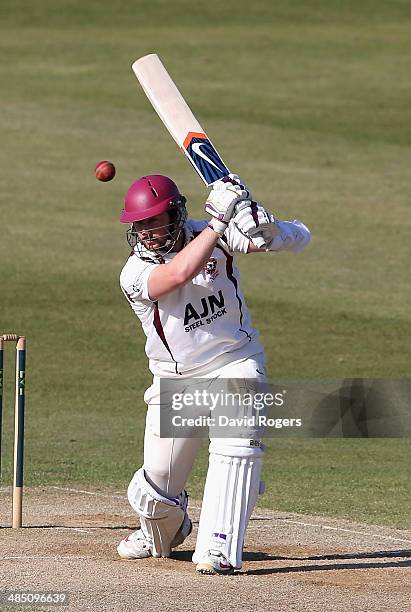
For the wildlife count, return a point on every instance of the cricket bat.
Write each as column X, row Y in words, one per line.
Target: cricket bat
column 176, row 115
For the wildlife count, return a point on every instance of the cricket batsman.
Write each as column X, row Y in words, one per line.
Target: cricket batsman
column 180, row 269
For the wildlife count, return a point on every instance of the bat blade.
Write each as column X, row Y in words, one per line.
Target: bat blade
column 178, row 118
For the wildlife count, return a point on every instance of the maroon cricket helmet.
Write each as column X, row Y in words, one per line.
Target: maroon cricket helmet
column 150, row 196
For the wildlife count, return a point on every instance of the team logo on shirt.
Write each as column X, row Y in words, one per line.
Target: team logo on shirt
column 210, row 269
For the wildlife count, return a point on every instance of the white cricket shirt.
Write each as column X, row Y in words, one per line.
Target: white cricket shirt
column 201, row 326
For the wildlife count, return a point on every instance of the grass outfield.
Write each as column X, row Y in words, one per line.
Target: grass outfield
column 310, row 103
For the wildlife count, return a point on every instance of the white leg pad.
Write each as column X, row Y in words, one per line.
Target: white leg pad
column 160, row 517
column 230, row 494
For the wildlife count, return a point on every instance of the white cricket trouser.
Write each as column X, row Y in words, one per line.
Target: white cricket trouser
column 168, row 461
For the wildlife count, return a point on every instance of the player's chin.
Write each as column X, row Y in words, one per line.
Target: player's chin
column 155, row 243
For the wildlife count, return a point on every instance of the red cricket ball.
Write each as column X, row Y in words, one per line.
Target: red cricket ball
column 105, row 171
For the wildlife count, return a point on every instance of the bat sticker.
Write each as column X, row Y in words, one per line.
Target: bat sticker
column 204, row 157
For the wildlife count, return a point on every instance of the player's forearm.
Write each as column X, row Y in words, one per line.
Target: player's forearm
column 190, row 260
column 184, row 266
column 293, row 236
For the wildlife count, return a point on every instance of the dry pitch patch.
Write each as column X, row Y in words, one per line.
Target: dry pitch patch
column 292, row 562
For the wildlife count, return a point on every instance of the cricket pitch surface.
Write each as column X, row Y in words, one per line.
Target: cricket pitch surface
column 291, row 562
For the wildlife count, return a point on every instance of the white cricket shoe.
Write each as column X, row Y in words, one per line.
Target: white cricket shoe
column 137, row 546
column 214, row 563
column 134, row 546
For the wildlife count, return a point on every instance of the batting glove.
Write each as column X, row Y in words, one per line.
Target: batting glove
column 222, row 200
column 235, row 180
column 267, row 232
column 254, row 221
